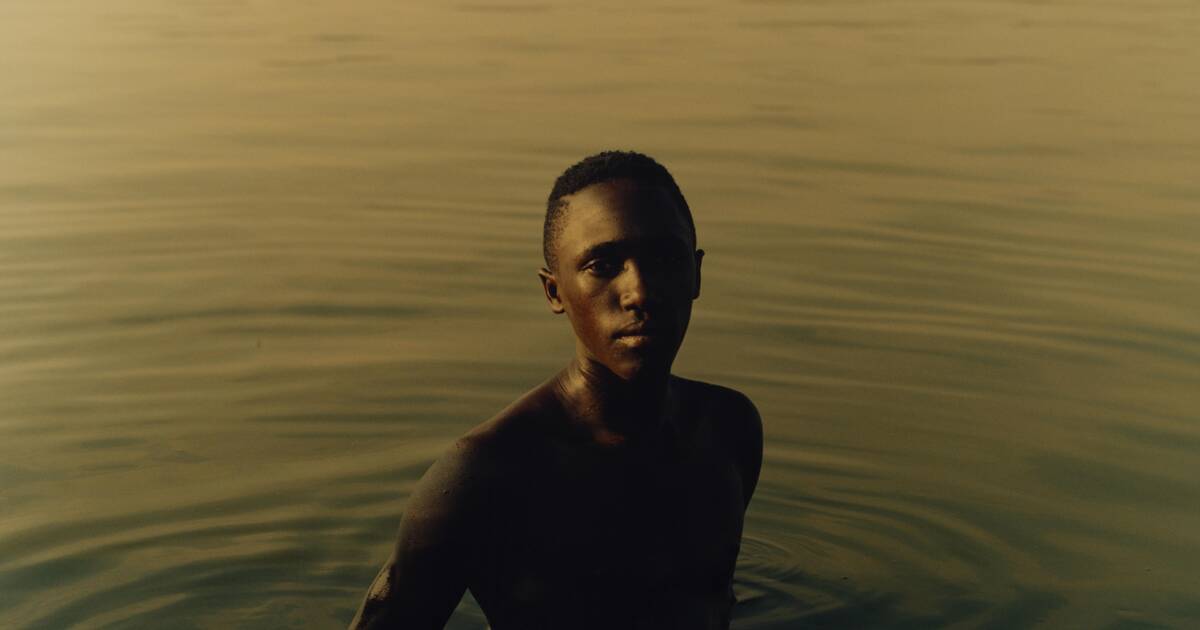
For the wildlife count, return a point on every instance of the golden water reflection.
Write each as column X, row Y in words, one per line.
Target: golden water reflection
column 262, row 261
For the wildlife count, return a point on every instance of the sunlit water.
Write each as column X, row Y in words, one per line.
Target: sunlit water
column 260, row 262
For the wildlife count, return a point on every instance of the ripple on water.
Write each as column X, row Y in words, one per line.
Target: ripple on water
column 281, row 546
column 814, row 553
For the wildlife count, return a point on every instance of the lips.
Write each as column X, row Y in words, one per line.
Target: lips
column 639, row 330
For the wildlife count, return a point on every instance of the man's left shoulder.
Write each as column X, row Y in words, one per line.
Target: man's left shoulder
column 724, row 404
column 730, row 414
column 736, row 423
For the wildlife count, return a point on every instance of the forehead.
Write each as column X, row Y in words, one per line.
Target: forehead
column 620, row 210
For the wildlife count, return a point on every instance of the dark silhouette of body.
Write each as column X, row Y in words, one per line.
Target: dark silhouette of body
column 611, row 496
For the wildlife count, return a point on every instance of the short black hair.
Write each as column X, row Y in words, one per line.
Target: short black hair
column 604, row 167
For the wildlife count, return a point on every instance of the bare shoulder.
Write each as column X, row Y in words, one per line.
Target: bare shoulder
column 444, row 525
column 732, row 409
column 735, row 419
column 498, row 443
column 462, row 485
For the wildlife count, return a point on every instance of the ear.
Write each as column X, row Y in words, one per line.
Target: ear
column 699, row 259
column 550, row 287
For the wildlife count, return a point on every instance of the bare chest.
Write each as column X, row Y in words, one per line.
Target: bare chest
column 620, row 534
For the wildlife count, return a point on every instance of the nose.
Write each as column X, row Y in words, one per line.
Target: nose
column 635, row 290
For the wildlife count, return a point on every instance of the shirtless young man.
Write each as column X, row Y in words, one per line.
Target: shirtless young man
column 612, row 495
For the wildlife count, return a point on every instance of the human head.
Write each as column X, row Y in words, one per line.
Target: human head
column 626, row 270
column 603, row 167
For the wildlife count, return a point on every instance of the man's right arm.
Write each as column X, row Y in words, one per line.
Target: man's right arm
column 426, row 575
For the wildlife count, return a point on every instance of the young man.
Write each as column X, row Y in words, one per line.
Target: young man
column 612, row 495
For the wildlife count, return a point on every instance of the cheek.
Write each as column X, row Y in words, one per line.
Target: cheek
column 587, row 314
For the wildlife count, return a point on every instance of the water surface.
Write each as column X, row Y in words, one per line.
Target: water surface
column 261, row 262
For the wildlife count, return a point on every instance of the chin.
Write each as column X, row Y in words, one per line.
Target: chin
column 642, row 369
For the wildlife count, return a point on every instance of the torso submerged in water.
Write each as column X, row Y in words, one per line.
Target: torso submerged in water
column 552, row 531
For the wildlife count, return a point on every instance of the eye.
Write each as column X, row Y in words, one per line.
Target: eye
column 604, row 267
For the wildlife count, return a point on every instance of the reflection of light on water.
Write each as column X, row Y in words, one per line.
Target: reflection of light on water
column 260, row 263
column 761, row 584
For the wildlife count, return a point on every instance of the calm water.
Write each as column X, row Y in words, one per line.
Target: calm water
column 261, row 261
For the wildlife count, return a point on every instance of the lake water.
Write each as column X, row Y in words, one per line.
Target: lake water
column 260, row 262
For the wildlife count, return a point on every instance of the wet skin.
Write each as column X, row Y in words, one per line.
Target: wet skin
column 612, row 495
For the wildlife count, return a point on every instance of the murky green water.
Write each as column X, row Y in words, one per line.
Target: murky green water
column 261, row 261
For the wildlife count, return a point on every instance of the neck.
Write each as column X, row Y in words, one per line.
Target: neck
column 614, row 410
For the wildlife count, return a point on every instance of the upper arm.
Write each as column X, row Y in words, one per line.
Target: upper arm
column 426, row 575
column 751, row 446
column 742, row 428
